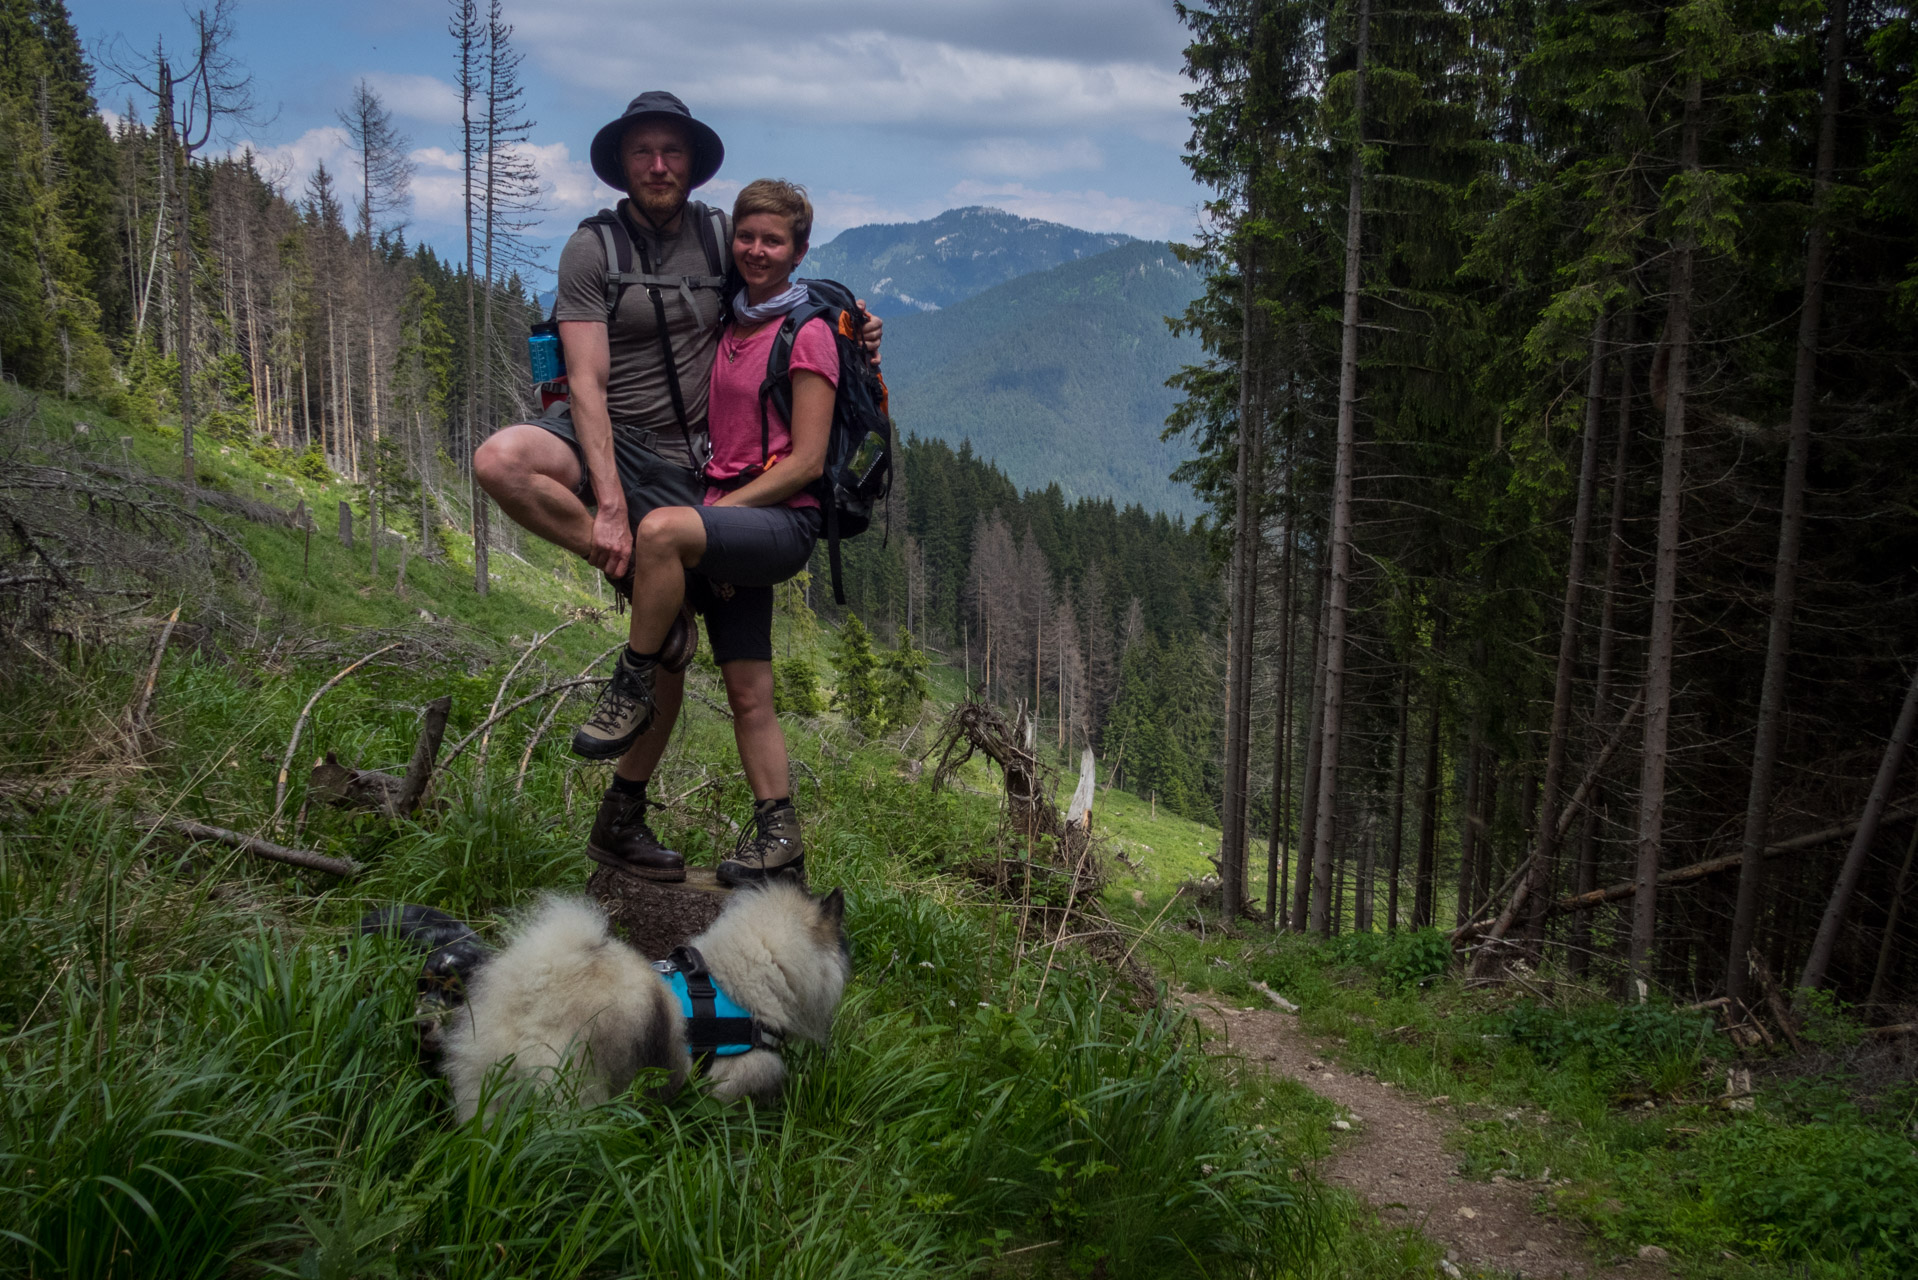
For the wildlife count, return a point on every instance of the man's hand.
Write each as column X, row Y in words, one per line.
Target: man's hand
column 612, row 550
column 871, row 332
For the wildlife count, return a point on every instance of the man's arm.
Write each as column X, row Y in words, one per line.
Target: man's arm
column 589, row 364
column 871, row 331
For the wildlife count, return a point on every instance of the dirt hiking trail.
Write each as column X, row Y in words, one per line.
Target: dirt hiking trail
column 1394, row 1157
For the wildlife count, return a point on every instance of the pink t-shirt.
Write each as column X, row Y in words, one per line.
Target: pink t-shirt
column 732, row 413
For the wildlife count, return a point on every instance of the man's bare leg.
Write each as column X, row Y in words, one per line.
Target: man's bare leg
column 642, row 758
column 532, row 473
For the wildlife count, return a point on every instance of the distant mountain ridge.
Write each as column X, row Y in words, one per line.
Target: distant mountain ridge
column 910, row 267
column 1059, row 375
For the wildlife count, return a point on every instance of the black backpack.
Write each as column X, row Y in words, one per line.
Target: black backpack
column 621, row 248
column 858, row 470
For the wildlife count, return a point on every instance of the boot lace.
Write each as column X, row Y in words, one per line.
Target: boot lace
column 621, row 702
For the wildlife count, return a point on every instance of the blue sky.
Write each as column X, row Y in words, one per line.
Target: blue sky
column 888, row 110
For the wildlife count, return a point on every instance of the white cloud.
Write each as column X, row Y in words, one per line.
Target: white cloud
column 860, row 67
column 428, row 99
column 1088, row 210
column 834, row 211
column 1025, row 158
column 287, row 165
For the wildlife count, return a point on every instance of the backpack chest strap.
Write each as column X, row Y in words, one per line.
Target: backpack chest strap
column 652, row 283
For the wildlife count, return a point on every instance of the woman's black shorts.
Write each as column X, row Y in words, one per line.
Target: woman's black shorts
column 749, row 550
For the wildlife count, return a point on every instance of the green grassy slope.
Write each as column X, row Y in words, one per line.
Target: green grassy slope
column 204, row 1074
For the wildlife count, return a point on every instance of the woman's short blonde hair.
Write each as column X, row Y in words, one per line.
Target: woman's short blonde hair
column 777, row 196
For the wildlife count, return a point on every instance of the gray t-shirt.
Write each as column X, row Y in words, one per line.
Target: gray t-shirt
column 638, row 396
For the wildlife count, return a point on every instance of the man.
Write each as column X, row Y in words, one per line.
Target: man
column 633, row 438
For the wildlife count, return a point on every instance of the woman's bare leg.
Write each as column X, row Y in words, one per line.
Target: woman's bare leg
column 669, row 541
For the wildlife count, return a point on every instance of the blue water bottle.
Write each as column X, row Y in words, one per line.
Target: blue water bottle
column 547, row 357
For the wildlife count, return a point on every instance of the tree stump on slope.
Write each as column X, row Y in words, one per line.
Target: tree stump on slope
column 654, row 916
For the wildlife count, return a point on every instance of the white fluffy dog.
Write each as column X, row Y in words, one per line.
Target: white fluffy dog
column 566, row 994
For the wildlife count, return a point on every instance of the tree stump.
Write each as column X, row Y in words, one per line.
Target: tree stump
column 655, row 916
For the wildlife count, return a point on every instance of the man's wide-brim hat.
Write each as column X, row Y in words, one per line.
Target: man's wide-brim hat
column 656, row 105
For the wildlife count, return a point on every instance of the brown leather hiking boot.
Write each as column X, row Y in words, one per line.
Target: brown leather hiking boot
column 768, row 849
column 622, row 840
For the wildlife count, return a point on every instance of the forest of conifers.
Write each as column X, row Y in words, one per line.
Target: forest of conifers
column 1560, row 422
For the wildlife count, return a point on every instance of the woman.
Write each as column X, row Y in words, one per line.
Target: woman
column 757, row 527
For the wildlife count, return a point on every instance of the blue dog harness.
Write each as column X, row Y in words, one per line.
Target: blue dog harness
column 715, row 1023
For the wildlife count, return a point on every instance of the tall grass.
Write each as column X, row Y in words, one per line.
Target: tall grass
column 203, row 1072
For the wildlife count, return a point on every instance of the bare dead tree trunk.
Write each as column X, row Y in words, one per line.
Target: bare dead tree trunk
column 1658, row 657
column 1395, row 863
column 1581, row 931
column 1469, row 824
column 1345, row 462
column 1791, row 524
column 1281, row 724
column 466, row 29
column 1819, row 961
column 1425, row 884
column 1309, row 785
column 1544, row 850
column 1244, row 592
column 179, row 167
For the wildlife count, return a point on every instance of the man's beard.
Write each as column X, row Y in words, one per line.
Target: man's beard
column 659, row 207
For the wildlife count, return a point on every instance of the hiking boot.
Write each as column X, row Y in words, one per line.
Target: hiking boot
column 621, row 840
column 768, row 849
column 624, row 711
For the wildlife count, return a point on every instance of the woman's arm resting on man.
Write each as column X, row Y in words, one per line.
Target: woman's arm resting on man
column 589, row 364
column 812, row 423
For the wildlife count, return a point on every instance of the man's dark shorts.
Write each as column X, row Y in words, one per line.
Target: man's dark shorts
column 757, row 546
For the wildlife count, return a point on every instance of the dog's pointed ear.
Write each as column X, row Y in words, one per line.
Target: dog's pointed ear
column 833, row 906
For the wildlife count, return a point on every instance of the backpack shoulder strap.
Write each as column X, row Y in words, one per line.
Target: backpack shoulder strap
column 777, row 389
column 618, row 248
column 710, row 224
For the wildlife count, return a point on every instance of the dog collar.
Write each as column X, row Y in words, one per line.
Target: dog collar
column 715, row 1022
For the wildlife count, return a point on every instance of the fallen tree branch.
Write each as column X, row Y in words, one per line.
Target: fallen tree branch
column 254, row 845
column 419, row 770
column 531, row 649
column 1905, row 808
column 721, row 708
column 1774, row 999
column 557, row 687
column 546, row 721
column 1274, row 997
column 293, row 743
column 143, row 701
column 1531, row 867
